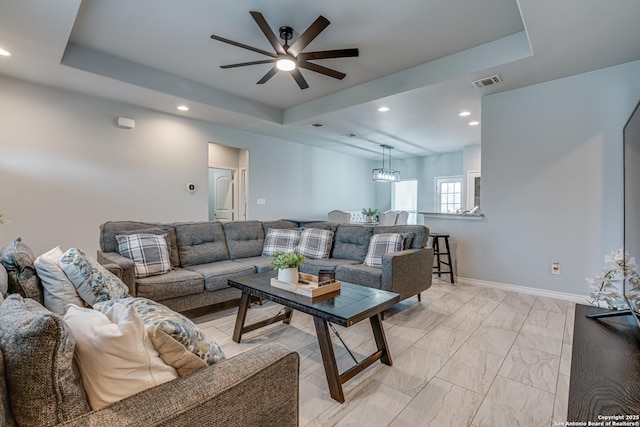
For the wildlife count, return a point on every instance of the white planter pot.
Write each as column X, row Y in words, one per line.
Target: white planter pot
column 289, row 275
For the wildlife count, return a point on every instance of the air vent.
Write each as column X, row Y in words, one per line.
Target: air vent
column 349, row 135
column 316, row 125
column 487, row 81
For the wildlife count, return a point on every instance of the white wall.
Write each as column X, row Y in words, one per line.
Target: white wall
column 551, row 182
column 65, row 169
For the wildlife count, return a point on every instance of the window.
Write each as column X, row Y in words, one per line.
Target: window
column 448, row 194
column 404, row 197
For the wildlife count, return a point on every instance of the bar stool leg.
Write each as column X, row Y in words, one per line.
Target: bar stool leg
column 436, row 253
column 446, row 243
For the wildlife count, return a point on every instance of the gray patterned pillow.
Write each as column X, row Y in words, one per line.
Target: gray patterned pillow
column 44, row 385
column 18, row 258
column 280, row 241
column 93, row 282
column 381, row 244
column 174, row 324
column 315, row 243
column 149, row 252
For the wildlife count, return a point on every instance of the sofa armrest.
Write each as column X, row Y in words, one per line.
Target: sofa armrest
column 258, row 387
column 128, row 274
column 407, row 272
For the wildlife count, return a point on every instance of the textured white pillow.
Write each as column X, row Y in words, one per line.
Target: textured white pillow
column 58, row 289
column 115, row 356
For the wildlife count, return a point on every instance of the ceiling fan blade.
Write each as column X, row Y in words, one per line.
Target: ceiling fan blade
column 244, row 64
column 244, row 46
column 326, row 54
column 309, row 34
column 322, row 70
column 297, row 75
column 268, row 33
column 272, row 72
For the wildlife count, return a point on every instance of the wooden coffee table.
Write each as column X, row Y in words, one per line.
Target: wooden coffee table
column 352, row 304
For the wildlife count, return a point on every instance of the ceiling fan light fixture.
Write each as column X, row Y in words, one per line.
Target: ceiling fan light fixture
column 286, row 64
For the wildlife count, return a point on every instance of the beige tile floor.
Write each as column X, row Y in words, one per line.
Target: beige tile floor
column 464, row 356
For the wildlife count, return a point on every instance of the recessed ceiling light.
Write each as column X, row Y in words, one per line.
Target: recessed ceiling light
column 383, row 109
column 4, row 52
column 474, row 123
column 465, row 113
column 183, row 108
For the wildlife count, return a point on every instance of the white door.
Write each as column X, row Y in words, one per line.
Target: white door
column 221, row 200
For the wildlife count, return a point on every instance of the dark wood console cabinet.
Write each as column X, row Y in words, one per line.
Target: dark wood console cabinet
column 605, row 367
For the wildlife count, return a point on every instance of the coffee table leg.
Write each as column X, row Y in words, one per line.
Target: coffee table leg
column 329, row 359
column 245, row 300
column 288, row 314
column 381, row 340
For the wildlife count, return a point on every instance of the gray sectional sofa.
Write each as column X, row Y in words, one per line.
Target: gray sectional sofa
column 204, row 255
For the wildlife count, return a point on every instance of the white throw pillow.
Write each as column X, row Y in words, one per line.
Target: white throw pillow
column 114, row 354
column 58, row 291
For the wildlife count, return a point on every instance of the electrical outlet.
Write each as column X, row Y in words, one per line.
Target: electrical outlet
column 261, row 201
column 555, row 268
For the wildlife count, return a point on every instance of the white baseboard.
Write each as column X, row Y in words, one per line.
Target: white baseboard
column 581, row 299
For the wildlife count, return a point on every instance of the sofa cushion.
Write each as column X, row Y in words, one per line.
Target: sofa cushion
column 381, row 244
column 149, row 252
column 280, row 240
column 360, row 274
column 93, row 282
column 201, row 243
column 279, row 224
column 244, row 238
column 420, row 233
column 261, row 263
column 174, row 324
column 352, row 242
column 312, row 266
column 178, row 282
column 58, row 291
column 216, row 274
column 109, row 231
column 17, row 258
column 173, row 353
column 322, row 225
column 44, row 384
column 114, row 354
column 315, row 243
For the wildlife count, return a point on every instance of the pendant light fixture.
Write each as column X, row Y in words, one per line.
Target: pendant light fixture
column 385, row 173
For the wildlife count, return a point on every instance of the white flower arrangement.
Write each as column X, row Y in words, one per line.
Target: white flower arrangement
column 607, row 289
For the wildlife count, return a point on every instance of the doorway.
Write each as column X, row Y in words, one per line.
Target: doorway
column 228, row 183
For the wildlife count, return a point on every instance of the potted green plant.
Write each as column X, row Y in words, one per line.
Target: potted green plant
column 287, row 264
column 370, row 214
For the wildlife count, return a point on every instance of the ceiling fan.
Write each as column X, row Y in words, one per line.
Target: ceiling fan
column 291, row 58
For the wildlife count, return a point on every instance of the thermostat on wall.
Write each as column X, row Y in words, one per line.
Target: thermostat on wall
column 191, row 187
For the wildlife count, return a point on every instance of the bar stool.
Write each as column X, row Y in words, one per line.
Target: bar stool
column 439, row 254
